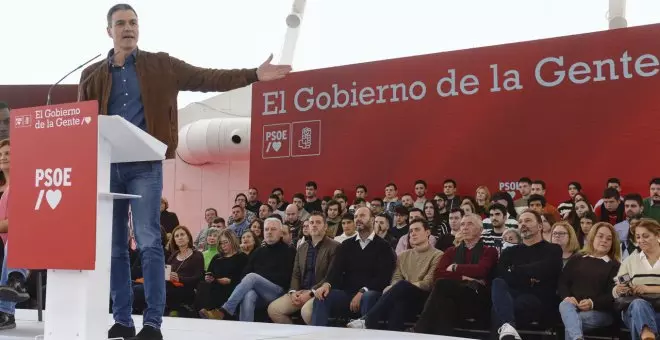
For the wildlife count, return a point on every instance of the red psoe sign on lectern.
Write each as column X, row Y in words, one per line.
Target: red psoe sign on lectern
column 61, row 207
column 52, row 200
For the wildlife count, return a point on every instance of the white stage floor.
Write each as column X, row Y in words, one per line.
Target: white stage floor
column 197, row 329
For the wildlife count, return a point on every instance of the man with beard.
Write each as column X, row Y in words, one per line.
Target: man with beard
column 493, row 237
column 525, row 289
column 652, row 204
column 362, row 268
column 632, row 204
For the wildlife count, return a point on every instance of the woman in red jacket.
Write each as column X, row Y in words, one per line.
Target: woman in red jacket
column 462, row 282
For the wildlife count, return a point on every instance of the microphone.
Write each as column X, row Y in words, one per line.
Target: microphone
column 50, row 90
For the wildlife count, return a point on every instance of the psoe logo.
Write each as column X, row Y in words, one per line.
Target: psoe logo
column 51, row 181
column 22, row 121
column 511, row 187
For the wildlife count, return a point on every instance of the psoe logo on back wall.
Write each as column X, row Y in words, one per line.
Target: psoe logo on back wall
column 511, row 187
column 51, row 181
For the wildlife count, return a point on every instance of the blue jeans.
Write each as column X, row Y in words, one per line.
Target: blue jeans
column 253, row 287
column 145, row 179
column 575, row 321
column 7, row 306
column 640, row 313
column 338, row 302
column 510, row 305
column 401, row 301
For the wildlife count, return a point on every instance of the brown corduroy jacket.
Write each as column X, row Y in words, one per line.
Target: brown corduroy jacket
column 161, row 78
column 324, row 257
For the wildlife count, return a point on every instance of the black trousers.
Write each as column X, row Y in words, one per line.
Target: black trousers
column 450, row 302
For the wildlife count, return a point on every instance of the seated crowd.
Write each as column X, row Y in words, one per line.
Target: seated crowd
column 422, row 265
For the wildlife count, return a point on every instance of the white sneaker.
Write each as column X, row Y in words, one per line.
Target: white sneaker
column 357, row 323
column 508, row 332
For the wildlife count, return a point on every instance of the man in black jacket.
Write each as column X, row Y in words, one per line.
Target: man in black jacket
column 267, row 275
column 362, row 268
column 526, row 287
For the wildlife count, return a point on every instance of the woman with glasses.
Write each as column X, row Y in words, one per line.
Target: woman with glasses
column 222, row 276
column 587, row 280
column 563, row 234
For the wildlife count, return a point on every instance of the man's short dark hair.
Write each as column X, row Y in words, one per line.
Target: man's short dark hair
column 449, row 180
column 300, row 196
column 237, row 206
column 613, row 180
column 416, row 210
column 275, row 197
column 634, row 197
column 348, row 216
column 498, row 206
column 4, row 105
column 611, row 193
column 311, row 184
column 342, row 196
column 331, row 203
column 536, row 197
column 270, row 209
column 219, row 220
column 525, row 180
column 378, row 199
column 422, row 182
column 117, row 8
column 424, row 223
column 655, row 181
column 326, row 199
column 361, row 186
column 276, row 190
column 406, row 194
column 442, row 196
column 453, row 210
column 391, row 185
column 212, row 209
column 540, row 182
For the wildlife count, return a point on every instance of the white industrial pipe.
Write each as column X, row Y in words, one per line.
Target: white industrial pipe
column 616, row 15
column 293, row 22
column 215, row 140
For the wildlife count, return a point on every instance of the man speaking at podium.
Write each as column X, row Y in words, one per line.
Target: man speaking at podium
column 142, row 87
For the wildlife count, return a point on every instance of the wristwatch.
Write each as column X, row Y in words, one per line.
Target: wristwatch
column 362, row 290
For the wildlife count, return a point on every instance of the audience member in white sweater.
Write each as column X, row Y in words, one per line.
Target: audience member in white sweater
column 643, row 268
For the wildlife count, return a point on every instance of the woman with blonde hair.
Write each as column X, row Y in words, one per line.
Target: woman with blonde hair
column 222, row 276
column 562, row 233
column 482, row 197
column 639, row 282
column 586, row 282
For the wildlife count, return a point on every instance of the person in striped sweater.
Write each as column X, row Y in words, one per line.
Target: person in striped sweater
column 643, row 269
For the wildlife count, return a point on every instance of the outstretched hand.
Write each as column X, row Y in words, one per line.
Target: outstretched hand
column 268, row 71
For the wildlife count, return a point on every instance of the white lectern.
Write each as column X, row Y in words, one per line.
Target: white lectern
column 77, row 301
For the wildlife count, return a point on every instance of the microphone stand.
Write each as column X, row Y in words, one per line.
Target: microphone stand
column 50, row 90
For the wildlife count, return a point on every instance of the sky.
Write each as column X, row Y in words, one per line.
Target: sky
column 43, row 40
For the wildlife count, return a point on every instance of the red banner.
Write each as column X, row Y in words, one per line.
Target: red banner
column 578, row 108
column 53, row 191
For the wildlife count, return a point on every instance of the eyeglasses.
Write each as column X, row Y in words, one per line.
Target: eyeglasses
column 559, row 234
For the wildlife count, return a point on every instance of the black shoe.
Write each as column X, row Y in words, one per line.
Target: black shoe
column 15, row 290
column 148, row 333
column 121, row 331
column 7, row 321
